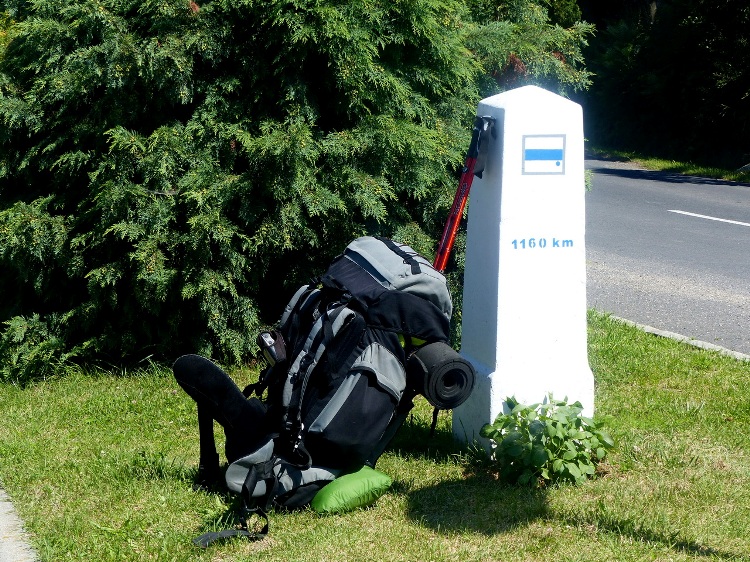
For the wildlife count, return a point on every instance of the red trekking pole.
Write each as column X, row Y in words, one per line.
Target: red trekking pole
column 482, row 125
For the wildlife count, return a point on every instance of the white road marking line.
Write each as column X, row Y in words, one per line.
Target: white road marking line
column 707, row 217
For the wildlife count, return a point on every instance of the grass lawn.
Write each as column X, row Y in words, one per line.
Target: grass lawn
column 100, row 468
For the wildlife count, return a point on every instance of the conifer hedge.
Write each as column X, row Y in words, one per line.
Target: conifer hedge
column 170, row 170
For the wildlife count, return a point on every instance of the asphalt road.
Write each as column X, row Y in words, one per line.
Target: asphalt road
column 670, row 251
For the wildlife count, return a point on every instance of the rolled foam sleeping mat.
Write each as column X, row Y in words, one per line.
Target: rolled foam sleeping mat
column 441, row 375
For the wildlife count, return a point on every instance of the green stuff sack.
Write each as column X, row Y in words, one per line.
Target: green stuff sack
column 351, row 491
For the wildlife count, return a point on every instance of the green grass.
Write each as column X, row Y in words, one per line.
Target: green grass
column 677, row 167
column 100, row 467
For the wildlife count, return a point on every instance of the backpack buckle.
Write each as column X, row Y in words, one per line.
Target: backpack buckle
column 298, row 438
column 293, row 429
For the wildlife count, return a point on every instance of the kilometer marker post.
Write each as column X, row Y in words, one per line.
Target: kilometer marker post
column 524, row 304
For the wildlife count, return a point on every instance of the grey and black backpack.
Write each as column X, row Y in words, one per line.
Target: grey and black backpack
column 351, row 352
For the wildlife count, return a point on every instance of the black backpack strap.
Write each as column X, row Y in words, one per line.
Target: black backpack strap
column 435, row 413
column 399, row 251
column 295, row 386
column 207, row 539
column 251, row 506
column 301, row 307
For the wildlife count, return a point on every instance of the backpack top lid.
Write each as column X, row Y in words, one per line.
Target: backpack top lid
column 393, row 287
column 398, row 267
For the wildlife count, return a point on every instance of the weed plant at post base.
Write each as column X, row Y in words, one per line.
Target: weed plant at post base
column 546, row 443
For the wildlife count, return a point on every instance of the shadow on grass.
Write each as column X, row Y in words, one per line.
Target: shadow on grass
column 477, row 504
column 414, row 439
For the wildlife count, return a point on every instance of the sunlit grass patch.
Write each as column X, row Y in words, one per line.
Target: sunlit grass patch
column 101, row 467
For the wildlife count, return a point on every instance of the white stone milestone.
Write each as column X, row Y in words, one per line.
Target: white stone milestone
column 524, row 304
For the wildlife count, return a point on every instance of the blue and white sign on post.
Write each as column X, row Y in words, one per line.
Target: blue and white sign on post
column 543, row 154
column 524, row 305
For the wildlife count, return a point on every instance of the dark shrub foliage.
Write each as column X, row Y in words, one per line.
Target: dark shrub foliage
column 171, row 170
column 673, row 79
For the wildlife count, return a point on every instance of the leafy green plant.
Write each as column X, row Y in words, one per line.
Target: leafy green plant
column 30, row 345
column 551, row 442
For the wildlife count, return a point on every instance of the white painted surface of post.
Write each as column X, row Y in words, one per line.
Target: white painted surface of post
column 524, row 304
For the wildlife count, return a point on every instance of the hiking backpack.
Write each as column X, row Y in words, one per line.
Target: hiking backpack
column 351, row 352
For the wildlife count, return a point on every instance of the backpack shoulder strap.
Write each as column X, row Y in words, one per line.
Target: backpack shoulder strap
column 251, row 506
column 338, row 330
column 301, row 305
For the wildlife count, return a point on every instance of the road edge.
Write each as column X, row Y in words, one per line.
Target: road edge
column 13, row 546
column 679, row 337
